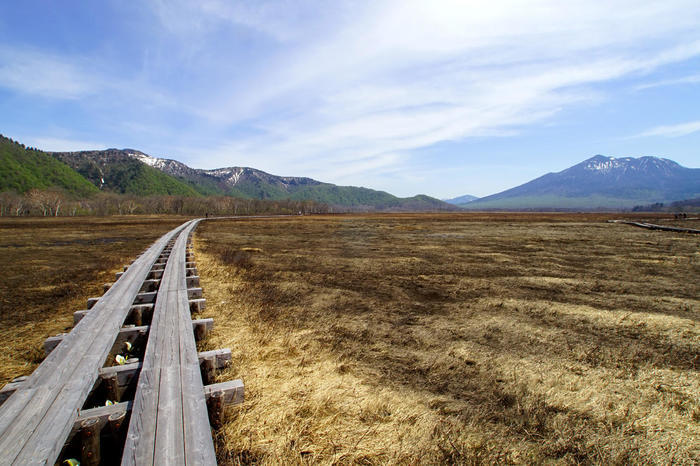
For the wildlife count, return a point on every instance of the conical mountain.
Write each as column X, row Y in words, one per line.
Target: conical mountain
column 601, row 183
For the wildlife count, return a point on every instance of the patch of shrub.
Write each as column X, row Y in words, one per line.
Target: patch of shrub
column 240, row 258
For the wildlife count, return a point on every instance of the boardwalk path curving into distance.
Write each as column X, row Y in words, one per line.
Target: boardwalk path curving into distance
column 80, row 404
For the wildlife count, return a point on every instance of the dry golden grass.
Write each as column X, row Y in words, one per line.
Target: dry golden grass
column 474, row 338
column 411, row 338
column 50, row 267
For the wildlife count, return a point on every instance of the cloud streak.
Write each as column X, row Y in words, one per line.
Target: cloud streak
column 406, row 75
column 672, row 131
column 341, row 90
column 692, row 79
column 36, row 73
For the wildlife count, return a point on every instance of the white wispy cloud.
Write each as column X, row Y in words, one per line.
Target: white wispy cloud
column 672, row 131
column 397, row 76
column 54, row 75
column 692, row 79
column 338, row 90
column 33, row 72
column 64, row 145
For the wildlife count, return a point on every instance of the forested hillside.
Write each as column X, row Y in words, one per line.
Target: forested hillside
column 23, row 169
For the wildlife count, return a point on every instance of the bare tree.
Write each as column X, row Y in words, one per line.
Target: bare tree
column 38, row 200
column 6, row 203
column 54, row 199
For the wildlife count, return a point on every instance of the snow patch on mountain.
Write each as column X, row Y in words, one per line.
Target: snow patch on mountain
column 235, row 176
column 603, row 166
column 606, row 165
column 147, row 159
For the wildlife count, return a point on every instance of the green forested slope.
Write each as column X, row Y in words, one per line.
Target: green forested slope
column 121, row 174
column 22, row 169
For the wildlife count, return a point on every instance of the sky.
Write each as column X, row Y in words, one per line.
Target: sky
column 439, row 97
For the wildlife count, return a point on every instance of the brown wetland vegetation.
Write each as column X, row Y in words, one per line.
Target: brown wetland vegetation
column 446, row 338
column 50, row 267
column 474, row 338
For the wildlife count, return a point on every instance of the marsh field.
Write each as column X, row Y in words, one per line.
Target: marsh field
column 50, row 267
column 411, row 338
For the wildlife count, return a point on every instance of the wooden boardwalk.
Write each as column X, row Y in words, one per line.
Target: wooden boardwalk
column 652, row 226
column 169, row 422
column 59, row 411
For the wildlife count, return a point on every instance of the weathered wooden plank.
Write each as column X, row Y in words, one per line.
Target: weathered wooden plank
column 197, row 305
column 233, row 394
column 101, row 415
column 37, row 418
column 221, row 356
column 125, row 373
column 78, row 315
column 233, row 391
column 200, row 447
column 169, row 406
column 141, row 298
column 193, row 281
column 12, row 387
column 651, row 226
column 130, row 334
column 202, row 330
column 200, row 326
column 145, row 311
column 168, row 431
column 52, row 342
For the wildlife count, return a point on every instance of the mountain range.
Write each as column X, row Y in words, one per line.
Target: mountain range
column 597, row 183
column 134, row 172
column 600, row 183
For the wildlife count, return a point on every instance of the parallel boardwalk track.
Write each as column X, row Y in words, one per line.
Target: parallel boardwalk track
column 59, row 410
column 651, row 226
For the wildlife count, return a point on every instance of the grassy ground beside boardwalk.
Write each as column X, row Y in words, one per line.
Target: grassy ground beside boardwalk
column 456, row 338
column 51, row 266
column 426, row 338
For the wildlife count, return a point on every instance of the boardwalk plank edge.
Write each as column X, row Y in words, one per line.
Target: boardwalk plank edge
column 233, row 394
column 125, row 373
column 200, row 327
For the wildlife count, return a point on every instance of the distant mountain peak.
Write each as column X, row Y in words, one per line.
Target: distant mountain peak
column 464, row 199
column 601, row 182
column 602, row 164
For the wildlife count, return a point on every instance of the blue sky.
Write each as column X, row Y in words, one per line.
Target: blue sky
column 437, row 97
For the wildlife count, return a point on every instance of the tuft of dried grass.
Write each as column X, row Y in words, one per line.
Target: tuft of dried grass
column 241, row 258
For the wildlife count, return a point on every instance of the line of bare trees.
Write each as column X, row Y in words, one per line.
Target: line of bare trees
column 54, row 202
